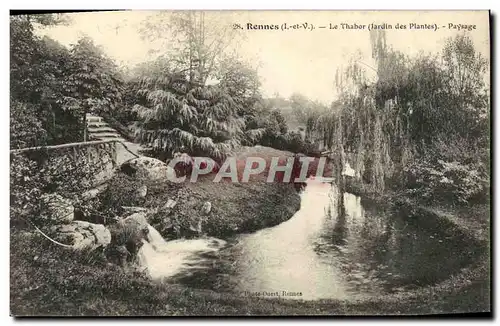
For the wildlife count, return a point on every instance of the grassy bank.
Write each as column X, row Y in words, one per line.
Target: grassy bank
column 236, row 207
column 469, row 289
column 49, row 280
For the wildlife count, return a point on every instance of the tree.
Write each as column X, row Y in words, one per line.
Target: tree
column 194, row 41
column 179, row 112
column 57, row 84
column 308, row 113
column 420, row 116
column 180, row 117
column 240, row 81
column 38, row 70
column 464, row 70
column 93, row 84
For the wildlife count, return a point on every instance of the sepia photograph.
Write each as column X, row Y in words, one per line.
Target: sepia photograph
column 250, row 163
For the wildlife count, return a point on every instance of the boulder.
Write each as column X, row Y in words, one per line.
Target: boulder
column 142, row 191
column 81, row 234
column 206, row 208
column 117, row 254
column 148, row 168
column 129, row 210
column 139, row 219
column 130, row 232
column 56, row 209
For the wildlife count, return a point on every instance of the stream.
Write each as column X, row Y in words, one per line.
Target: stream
column 334, row 247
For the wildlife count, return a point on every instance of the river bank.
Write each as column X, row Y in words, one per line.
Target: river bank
column 204, row 207
column 41, row 270
column 48, row 286
column 469, row 289
column 43, row 283
column 473, row 220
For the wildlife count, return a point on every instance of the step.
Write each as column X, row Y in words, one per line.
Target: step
column 97, row 124
column 97, row 138
column 94, row 119
column 106, row 134
column 101, row 129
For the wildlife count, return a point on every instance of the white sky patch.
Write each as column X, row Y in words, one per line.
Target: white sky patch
column 290, row 61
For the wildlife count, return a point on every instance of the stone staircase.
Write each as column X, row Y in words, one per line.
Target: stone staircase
column 98, row 129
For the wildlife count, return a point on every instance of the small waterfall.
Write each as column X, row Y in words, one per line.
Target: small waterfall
column 155, row 238
column 163, row 259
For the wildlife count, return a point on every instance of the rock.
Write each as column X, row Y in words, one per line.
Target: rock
column 56, row 209
column 138, row 219
column 81, row 234
column 170, row 203
column 117, row 254
column 196, row 229
column 142, row 191
column 147, row 167
column 129, row 210
column 130, row 232
column 206, row 208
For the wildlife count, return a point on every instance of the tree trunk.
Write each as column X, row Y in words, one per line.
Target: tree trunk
column 85, row 136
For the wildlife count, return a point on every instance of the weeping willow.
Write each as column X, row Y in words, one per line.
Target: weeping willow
column 367, row 129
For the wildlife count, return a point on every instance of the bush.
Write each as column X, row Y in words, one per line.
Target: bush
column 37, row 172
column 25, row 186
column 25, row 128
column 446, row 181
column 290, row 141
column 122, row 191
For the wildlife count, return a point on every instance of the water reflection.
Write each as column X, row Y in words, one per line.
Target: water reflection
column 336, row 246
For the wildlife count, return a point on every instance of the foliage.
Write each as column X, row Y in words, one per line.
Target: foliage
column 37, row 69
column 93, row 79
column 25, row 128
column 121, row 191
column 66, row 172
column 411, row 118
column 201, row 121
column 241, row 82
column 195, row 42
column 58, row 85
column 267, row 126
column 179, row 114
column 308, row 113
column 194, row 98
column 451, row 182
column 26, row 186
column 290, row 141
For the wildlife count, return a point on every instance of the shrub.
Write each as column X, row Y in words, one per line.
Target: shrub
column 445, row 181
column 25, row 186
column 25, row 128
column 290, row 141
column 40, row 171
column 122, row 191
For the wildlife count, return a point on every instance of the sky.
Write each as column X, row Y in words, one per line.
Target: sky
column 303, row 61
